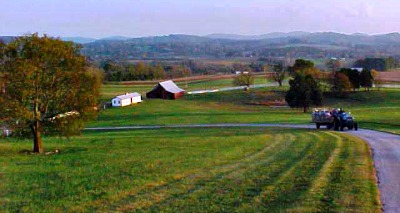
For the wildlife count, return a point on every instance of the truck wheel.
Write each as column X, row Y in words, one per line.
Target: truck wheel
column 318, row 125
column 341, row 127
column 351, row 127
column 356, row 126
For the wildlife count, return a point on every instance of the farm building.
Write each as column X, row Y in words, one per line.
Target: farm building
column 5, row 132
column 166, row 90
column 126, row 100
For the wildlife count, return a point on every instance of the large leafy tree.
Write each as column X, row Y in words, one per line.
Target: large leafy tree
column 340, row 84
column 354, row 77
column 304, row 92
column 278, row 73
column 48, row 87
column 301, row 64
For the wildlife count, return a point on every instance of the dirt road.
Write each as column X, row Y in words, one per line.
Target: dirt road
column 386, row 148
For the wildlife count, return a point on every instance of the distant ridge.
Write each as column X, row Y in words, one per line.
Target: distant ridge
column 115, row 38
column 257, row 37
column 80, row 40
column 7, row 39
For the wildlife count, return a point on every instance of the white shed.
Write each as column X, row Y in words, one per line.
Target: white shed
column 126, row 100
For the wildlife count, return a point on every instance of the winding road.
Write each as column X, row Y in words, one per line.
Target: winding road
column 385, row 146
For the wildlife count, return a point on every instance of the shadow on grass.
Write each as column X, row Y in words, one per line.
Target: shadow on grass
column 73, row 150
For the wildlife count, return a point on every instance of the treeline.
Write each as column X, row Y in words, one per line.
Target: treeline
column 122, row 71
column 306, row 84
column 142, row 72
column 380, row 64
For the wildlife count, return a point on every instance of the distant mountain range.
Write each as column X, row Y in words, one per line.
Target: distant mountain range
column 258, row 37
column 85, row 40
column 304, row 36
column 273, row 45
column 80, row 40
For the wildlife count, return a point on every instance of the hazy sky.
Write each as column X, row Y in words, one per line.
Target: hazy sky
column 135, row 18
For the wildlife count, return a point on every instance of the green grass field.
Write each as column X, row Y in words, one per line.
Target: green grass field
column 376, row 109
column 113, row 89
column 202, row 170
column 191, row 170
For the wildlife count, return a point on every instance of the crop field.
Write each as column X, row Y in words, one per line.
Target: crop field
column 191, row 170
column 376, row 109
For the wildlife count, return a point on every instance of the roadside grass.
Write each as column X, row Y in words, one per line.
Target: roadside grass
column 191, row 170
column 378, row 110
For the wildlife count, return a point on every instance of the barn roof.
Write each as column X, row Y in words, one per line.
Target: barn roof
column 128, row 95
column 170, row 86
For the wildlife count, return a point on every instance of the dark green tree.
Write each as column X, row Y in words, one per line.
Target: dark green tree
column 301, row 64
column 48, row 87
column 354, row 77
column 341, row 84
column 366, row 79
column 304, row 92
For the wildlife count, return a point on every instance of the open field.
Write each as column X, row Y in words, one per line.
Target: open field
column 376, row 109
column 204, row 83
column 191, row 170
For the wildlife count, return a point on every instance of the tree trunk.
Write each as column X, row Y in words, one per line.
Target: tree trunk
column 304, row 109
column 37, row 140
column 280, row 83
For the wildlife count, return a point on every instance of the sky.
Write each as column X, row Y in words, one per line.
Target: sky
column 138, row 18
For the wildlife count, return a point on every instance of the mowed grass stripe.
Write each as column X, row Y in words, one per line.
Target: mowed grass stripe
column 314, row 198
column 190, row 183
column 228, row 193
column 352, row 185
column 215, row 186
column 192, row 170
column 292, row 184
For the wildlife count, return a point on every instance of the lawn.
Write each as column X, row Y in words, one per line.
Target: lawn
column 376, row 109
column 191, row 170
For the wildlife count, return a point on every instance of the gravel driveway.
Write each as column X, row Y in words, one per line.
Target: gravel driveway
column 386, row 148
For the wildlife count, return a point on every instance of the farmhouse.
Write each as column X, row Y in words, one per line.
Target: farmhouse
column 126, row 100
column 166, row 90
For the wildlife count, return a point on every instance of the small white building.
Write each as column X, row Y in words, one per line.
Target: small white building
column 5, row 132
column 126, row 100
column 359, row 69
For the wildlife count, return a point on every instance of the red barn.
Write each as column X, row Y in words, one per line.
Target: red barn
column 166, row 90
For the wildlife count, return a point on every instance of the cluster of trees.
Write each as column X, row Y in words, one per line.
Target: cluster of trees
column 354, row 79
column 305, row 87
column 380, row 64
column 132, row 72
column 46, row 86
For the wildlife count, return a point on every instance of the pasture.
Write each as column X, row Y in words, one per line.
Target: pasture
column 191, row 170
column 378, row 110
column 203, row 169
